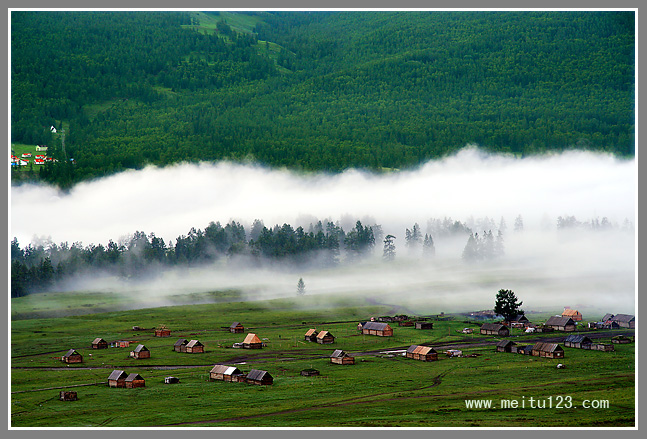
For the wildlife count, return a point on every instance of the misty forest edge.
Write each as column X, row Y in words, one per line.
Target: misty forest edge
column 318, row 91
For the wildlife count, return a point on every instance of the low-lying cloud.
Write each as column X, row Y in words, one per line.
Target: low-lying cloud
column 551, row 266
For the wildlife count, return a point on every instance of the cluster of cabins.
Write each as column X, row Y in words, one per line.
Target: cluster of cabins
column 539, row 349
column 617, row 321
column 39, row 159
column 232, row 374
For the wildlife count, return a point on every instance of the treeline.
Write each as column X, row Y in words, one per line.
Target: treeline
column 39, row 266
column 320, row 90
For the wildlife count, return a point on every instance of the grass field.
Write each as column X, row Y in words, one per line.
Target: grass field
column 381, row 389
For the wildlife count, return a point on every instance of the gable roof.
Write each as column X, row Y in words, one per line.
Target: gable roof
column 338, row 353
column 226, row 370
column 520, row 318
column 140, row 348
column 193, row 343
column 577, row 338
column 376, row 326
column 493, row 326
column 134, row 376
column 322, row 334
column 71, row 352
column 412, row 349
column 181, row 342
column 570, row 312
column 559, row 321
column 233, row 325
column 607, row 316
column 258, row 375
column 546, row 347
column 311, row 332
column 251, row 338
column 424, row 350
column 98, row 340
column 623, row 318
column 505, row 343
column 117, row 375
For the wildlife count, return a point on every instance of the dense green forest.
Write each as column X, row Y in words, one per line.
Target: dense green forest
column 316, row 91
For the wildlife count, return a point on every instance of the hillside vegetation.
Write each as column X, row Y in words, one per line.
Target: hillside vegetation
column 321, row 91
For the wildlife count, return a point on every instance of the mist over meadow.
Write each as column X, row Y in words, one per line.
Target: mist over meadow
column 576, row 246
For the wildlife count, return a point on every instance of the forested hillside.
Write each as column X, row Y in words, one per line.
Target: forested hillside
column 316, row 90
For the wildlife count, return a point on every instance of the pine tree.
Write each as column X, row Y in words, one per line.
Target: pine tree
column 428, row 248
column 389, row 248
column 301, row 287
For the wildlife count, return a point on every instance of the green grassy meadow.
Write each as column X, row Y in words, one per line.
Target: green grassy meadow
column 382, row 388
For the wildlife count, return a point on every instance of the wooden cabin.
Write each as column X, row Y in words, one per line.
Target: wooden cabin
column 422, row 353
column 574, row 314
column 624, row 321
column 259, row 377
column 424, row 325
column 236, row 328
column 162, row 332
column 180, row 345
column 72, row 356
column 560, row 323
column 117, row 378
column 194, row 347
column 495, row 329
column 611, row 324
column 140, row 352
column 578, row 341
column 341, row 357
column 311, row 335
column 252, row 342
column 65, row 395
column 120, row 344
column 547, row 350
column 605, row 347
column 225, row 373
column 325, row 337
column 134, row 380
column 376, row 328
column 505, row 346
column 99, row 343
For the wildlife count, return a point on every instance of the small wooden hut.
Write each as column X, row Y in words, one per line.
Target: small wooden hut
column 236, row 328
column 120, row 344
column 573, row 314
column 134, row 380
column 547, row 350
column 422, row 353
column 99, row 343
column 424, row 325
column 605, row 347
column 65, row 395
column 560, row 323
column 259, row 377
column 225, row 373
column 180, row 345
column 117, row 378
column 495, row 329
column 325, row 337
column 505, row 346
column 162, row 331
column 578, row 341
column 194, row 347
column 341, row 357
column 140, row 352
column 72, row 356
column 252, row 342
column 311, row 335
column 376, row 328
column 624, row 320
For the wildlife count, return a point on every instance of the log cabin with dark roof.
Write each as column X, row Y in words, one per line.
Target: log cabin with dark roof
column 505, row 346
column 424, row 325
column 259, row 377
column 547, row 350
column 140, row 352
column 560, row 323
column 180, row 345
column 134, row 380
column 72, row 356
column 625, row 320
column 578, row 341
column 495, row 329
column 376, row 328
column 162, row 332
column 236, row 328
column 99, row 343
